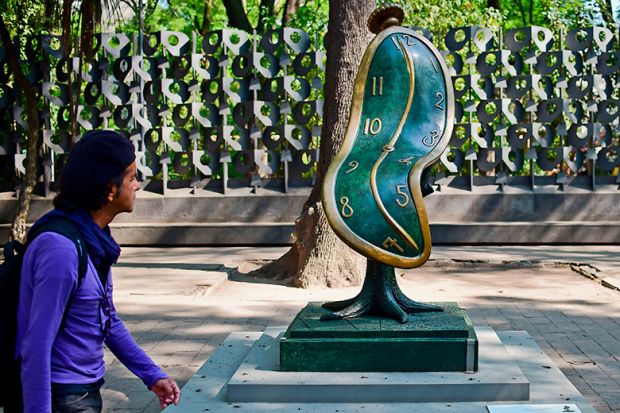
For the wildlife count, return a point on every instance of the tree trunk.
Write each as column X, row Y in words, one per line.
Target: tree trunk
column 493, row 4
column 204, row 27
column 85, row 53
column 290, row 8
column 18, row 228
column 318, row 257
column 237, row 16
column 66, row 46
column 65, row 25
column 88, row 16
column 50, row 15
column 607, row 12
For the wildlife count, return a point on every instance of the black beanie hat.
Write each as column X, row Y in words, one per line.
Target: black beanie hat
column 95, row 160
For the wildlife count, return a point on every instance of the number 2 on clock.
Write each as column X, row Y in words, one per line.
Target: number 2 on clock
column 439, row 103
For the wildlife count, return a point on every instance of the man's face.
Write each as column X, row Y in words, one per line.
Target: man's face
column 125, row 201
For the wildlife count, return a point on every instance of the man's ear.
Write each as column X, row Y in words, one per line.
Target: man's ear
column 112, row 190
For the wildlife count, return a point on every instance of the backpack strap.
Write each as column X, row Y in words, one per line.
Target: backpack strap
column 11, row 249
column 65, row 227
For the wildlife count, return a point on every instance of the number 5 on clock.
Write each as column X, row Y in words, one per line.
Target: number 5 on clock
column 403, row 197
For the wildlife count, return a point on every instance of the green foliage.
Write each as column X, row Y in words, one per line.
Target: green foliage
column 312, row 17
column 163, row 15
column 26, row 17
column 187, row 16
column 23, row 18
column 555, row 14
column 439, row 16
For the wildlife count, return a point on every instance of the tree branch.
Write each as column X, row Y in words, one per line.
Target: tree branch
column 203, row 27
column 607, row 12
column 18, row 228
column 290, row 8
column 237, row 17
column 520, row 3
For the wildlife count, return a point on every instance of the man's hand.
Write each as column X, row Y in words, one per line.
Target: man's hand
column 167, row 391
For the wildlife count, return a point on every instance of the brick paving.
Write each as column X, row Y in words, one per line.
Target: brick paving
column 180, row 305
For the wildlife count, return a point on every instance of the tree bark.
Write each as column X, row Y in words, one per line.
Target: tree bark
column 88, row 16
column 237, row 17
column 88, row 12
column 290, row 8
column 318, row 257
column 18, row 227
column 204, row 27
column 66, row 46
column 66, row 27
column 50, row 15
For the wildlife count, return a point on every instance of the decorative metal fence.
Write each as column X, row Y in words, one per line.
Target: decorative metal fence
column 534, row 107
column 233, row 109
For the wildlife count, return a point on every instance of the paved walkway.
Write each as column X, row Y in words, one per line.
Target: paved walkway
column 181, row 303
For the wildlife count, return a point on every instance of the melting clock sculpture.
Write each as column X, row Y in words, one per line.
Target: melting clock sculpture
column 400, row 123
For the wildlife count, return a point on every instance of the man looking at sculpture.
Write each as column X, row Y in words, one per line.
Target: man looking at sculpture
column 64, row 318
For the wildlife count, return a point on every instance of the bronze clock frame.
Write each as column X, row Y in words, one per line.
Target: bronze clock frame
column 330, row 205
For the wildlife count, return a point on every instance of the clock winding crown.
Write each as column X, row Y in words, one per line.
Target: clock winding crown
column 383, row 17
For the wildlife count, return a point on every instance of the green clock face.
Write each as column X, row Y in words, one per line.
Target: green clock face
column 401, row 121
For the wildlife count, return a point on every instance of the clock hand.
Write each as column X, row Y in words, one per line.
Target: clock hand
column 389, row 148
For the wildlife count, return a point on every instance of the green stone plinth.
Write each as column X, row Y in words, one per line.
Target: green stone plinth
column 436, row 341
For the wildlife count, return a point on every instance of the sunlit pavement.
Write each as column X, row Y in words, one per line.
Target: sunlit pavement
column 181, row 303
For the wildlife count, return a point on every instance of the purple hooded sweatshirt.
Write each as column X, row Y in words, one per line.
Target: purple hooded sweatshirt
column 73, row 354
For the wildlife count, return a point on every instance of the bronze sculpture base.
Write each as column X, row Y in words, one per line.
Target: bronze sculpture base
column 380, row 295
column 430, row 341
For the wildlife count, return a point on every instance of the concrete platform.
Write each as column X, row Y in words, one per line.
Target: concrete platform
column 258, row 379
column 207, row 389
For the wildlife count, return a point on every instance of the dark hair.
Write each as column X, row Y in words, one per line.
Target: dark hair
column 97, row 198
